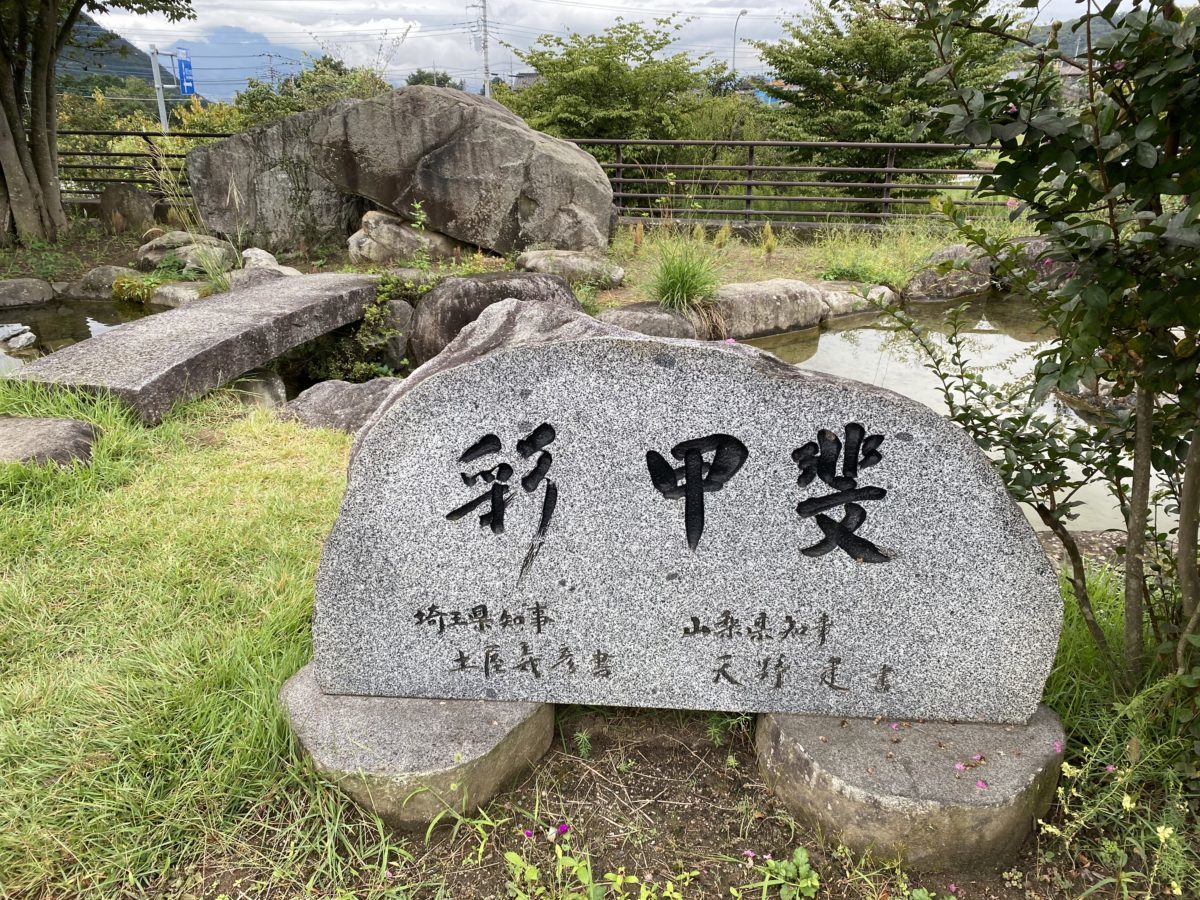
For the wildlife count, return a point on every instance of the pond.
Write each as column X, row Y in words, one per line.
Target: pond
column 1004, row 334
column 60, row 324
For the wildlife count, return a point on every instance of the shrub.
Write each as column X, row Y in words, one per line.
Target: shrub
column 685, row 277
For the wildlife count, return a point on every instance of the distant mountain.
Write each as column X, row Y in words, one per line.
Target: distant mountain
column 94, row 50
column 1072, row 40
column 221, row 64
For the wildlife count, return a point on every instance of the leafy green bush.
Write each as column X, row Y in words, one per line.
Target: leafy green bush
column 686, row 277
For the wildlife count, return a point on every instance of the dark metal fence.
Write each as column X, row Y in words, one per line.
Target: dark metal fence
column 791, row 184
column 787, row 183
column 89, row 161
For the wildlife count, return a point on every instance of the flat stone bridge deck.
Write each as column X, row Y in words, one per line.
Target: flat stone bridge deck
column 184, row 353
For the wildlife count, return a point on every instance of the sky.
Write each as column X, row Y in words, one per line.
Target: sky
column 231, row 40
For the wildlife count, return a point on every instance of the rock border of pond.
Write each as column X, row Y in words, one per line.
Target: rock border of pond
column 754, row 309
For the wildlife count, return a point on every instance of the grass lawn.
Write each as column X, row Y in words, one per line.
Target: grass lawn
column 152, row 604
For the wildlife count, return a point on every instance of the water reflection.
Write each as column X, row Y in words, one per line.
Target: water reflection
column 61, row 324
column 1004, row 336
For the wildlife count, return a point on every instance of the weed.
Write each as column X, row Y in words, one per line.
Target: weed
column 721, row 726
column 639, row 237
column 767, row 240
column 141, row 288
column 686, row 278
column 793, row 877
column 699, row 235
column 586, row 292
column 723, row 235
column 582, row 740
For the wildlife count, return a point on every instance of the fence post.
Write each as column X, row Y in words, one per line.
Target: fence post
column 620, row 174
column 749, row 180
column 887, row 183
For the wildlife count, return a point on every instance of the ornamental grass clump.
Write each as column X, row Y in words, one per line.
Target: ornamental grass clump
column 686, row 276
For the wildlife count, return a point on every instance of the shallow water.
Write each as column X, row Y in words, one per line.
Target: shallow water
column 60, row 324
column 1004, row 335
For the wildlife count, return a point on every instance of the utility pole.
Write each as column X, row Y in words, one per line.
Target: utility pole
column 483, row 37
column 733, row 65
column 158, row 90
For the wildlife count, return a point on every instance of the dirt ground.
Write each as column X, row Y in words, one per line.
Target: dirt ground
column 663, row 794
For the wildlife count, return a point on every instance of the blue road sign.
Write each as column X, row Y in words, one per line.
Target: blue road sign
column 187, row 84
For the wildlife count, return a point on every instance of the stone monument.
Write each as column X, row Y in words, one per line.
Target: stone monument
column 555, row 510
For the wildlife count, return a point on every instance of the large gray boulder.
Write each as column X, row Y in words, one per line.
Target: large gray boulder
column 126, row 207
column 479, row 173
column 651, row 319
column 260, row 184
column 457, row 302
column 340, row 404
column 970, row 273
column 97, row 283
column 386, row 238
column 25, row 292
column 573, row 265
column 195, row 251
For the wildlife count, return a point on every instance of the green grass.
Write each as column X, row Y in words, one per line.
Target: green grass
column 685, row 275
column 151, row 605
column 1123, row 781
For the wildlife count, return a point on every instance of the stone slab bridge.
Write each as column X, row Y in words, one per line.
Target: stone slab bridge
column 184, row 353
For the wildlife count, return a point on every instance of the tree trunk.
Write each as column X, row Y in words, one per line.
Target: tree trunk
column 23, row 196
column 1135, row 540
column 6, row 223
column 1189, row 526
column 41, row 108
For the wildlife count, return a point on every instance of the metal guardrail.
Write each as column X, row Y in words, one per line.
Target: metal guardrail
column 791, row 184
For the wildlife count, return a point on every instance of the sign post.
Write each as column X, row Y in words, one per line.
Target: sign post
column 183, row 72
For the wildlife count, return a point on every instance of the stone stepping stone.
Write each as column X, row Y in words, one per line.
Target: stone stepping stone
column 41, row 441
column 184, row 353
column 409, row 760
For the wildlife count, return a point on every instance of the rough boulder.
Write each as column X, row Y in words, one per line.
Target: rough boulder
column 476, row 171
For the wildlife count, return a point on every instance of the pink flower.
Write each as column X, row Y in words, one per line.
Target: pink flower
column 1058, row 746
column 1013, row 203
column 1110, row 768
column 895, row 726
column 749, row 854
column 981, row 784
column 563, row 827
column 952, row 888
column 528, row 832
column 962, row 767
column 977, row 757
column 730, row 341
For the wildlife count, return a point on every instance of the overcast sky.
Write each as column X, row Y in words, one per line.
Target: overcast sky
column 233, row 39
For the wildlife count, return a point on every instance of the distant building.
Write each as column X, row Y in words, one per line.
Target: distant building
column 522, row 80
column 1074, row 81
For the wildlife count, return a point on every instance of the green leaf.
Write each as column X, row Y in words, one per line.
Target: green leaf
column 1147, row 155
column 978, row 131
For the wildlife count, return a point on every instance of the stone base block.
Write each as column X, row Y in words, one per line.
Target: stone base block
column 44, row 441
column 408, row 760
column 939, row 797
